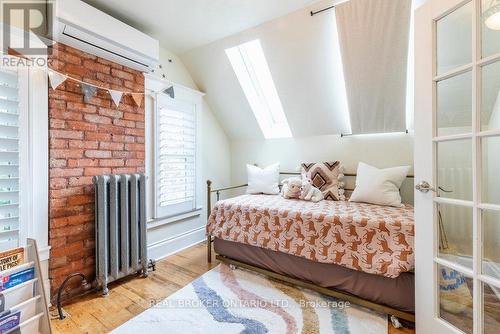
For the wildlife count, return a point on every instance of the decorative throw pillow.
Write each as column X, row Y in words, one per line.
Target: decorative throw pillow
column 327, row 177
column 263, row 180
column 379, row 186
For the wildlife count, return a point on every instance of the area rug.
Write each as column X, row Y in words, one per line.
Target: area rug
column 226, row 300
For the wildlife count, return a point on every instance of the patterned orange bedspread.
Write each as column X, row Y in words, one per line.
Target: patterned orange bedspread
column 365, row 237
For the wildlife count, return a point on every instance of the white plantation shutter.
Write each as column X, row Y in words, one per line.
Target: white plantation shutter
column 10, row 134
column 175, row 156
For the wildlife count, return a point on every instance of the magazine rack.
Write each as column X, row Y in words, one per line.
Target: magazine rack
column 27, row 297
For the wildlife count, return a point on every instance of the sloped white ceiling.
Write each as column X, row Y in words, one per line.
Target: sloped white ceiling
column 304, row 59
column 181, row 25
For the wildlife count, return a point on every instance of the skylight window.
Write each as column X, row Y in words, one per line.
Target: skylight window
column 250, row 65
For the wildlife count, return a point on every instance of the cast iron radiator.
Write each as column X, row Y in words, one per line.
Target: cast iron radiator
column 120, row 217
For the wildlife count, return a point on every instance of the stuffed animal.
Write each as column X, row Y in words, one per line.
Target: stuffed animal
column 310, row 192
column 292, row 188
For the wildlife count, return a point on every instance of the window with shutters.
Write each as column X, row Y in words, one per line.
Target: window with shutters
column 175, row 155
column 13, row 127
column 23, row 156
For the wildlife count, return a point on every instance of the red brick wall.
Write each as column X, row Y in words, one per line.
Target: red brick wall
column 87, row 139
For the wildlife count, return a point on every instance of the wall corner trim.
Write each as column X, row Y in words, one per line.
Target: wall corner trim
column 44, row 253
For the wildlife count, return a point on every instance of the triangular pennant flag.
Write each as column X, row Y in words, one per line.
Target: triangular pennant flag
column 137, row 98
column 116, row 96
column 56, row 79
column 88, row 92
column 170, row 92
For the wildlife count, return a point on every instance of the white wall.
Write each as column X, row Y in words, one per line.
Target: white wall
column 305, row 65
column 169, row 236
column 174, row 69
column 304, row 59
column 379, row 150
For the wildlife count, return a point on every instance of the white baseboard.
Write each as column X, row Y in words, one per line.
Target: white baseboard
column 175, row 244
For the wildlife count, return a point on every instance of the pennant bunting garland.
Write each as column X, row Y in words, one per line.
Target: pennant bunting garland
column 56, row 79
column 116, row 96
column 88, row 92
column 170, row 92
column 137, row 98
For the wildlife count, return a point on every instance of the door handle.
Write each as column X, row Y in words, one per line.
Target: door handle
column 424, row 187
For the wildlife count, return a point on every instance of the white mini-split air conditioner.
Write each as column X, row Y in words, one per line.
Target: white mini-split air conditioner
column 86, row 28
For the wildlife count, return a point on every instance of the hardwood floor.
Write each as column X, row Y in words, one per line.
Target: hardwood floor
column 126, row 299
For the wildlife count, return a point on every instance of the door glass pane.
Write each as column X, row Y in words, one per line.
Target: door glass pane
column 454, row 105
column 490, row 170
column 455, row 233
column 454, row 163
column 490, row 97
column 490, row 27
column 453, row 52
column 455, row 298
column 491, row 243
column 491, row 306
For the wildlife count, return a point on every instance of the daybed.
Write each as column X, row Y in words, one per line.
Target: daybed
column 355, row 251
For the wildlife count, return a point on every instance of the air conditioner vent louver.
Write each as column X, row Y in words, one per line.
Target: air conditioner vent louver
column 82, row 26
column 104, row 50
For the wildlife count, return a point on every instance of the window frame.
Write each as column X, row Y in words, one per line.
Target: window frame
column 251, row 67
column 33, row 125
column 183, row 95
column 38, row 141
column 22, row 87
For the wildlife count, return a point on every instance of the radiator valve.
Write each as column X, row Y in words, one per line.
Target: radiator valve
column 151, row 265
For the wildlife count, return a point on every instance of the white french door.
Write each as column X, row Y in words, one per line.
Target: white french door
column 457, row 167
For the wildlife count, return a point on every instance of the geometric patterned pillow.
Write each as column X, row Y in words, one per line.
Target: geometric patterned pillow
column 327, row 177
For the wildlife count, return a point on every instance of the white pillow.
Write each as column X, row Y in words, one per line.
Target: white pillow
column 263, row 181
column 379, row 186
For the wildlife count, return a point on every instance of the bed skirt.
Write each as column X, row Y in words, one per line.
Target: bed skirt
column 398, row 293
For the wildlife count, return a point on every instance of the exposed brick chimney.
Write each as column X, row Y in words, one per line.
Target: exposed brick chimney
column 87, row 139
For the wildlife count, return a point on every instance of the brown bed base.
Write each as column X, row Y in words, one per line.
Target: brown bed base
column 297, row 282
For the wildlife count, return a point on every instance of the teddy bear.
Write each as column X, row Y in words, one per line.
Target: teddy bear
column 292, row 188
column 310, row 192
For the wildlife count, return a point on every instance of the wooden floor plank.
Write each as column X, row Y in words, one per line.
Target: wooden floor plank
column 130, row 297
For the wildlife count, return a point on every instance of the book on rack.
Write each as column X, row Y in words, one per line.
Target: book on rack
column 9, row 321
column 9, row 281
column 11, row 258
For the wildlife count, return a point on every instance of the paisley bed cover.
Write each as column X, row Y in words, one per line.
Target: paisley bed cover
column 370, row 238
